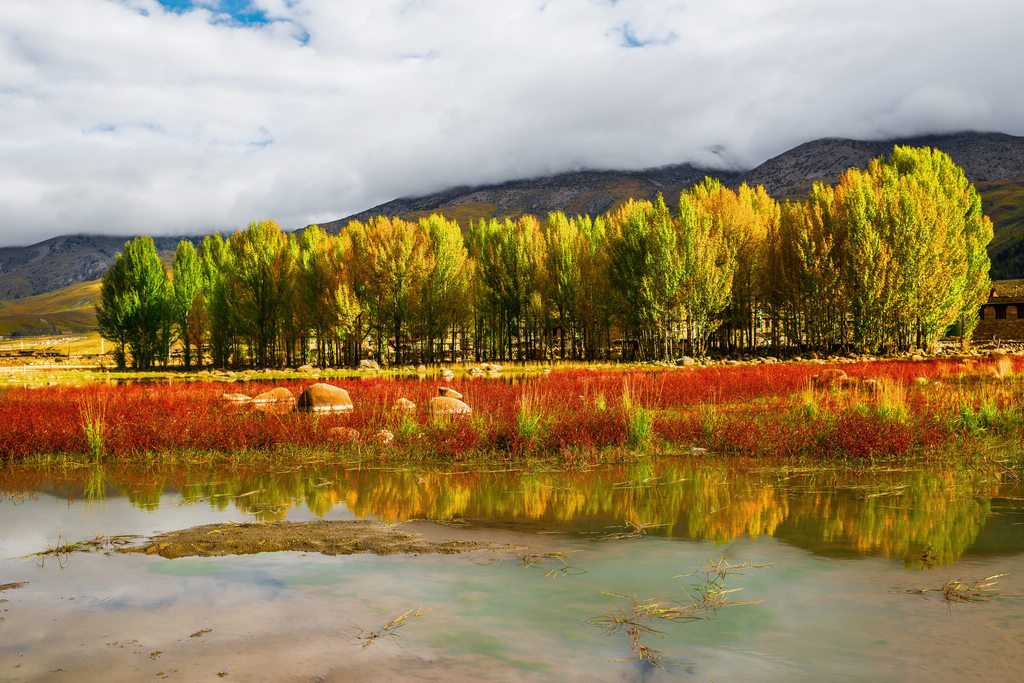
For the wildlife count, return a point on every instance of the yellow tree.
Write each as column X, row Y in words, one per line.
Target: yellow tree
column 444, row 294
column 396, row 260
column 707, row 261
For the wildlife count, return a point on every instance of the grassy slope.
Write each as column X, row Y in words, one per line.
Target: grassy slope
column 71, row 308
column 1003, row 201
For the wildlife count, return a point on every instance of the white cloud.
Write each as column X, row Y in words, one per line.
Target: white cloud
column 119, row 116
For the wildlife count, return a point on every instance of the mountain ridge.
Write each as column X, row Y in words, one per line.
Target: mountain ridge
column 993, row 161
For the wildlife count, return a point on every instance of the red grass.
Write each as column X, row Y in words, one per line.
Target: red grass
column 579, row 411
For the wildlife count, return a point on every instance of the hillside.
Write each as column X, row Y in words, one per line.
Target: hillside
column 69, row 309
column 993, row 161
column 580, row 192
column 63, row 261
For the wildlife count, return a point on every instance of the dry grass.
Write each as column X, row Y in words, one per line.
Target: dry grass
column 634, row 530
column 963, row 590
column 388, row 630
column 563, row 568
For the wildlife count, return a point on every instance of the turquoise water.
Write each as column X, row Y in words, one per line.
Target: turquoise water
column 830, row 552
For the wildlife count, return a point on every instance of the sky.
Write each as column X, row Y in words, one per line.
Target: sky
column 188, row 116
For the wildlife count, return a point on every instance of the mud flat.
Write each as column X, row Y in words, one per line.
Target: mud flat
column 326, row 537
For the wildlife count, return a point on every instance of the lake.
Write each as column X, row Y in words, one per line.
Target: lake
column 823, row 559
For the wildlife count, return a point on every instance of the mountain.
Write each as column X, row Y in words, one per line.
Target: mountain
column 993, row 161
column 63, row 261
column 578, row 192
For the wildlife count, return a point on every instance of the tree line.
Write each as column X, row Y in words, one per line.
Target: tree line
column 889, row 258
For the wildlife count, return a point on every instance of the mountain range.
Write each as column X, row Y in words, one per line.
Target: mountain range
column 994, row 162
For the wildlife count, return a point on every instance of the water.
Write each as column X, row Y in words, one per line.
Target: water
column 834, row 548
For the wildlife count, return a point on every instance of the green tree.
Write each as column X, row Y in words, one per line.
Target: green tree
column 216, row 265
column 644, row 270
column 562, row 241
column 255, row 287
column 134, row 308
column 185, row 288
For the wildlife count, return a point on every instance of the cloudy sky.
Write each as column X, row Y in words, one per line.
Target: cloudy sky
column 186, row 116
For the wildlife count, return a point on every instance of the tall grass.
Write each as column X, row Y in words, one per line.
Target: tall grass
column 93, row 416
column 639, row 420
column 529, row 419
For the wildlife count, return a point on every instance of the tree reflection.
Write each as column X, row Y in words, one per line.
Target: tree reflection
column 924, row 518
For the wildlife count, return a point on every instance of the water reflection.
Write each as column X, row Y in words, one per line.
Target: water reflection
column 924, row 518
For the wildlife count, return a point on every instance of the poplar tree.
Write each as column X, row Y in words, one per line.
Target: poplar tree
column 707, row 262
column 561, row 259
column 185, row 290
column 395, row 253
column 254, row 287
column 443, row 300
column 134, row 308
column 645, row 270
column 216, row 265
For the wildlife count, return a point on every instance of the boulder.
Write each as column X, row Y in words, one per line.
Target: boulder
column 343, row 434
column 446, row 391
column 421, row 368
column 367, row 364
column 278, row 401
column 447, row 375
column 997, row 356
column 446, row 405
column 275, row 395
column 236, row 398
column 870, row 386
column 384, row 437
column 685, row 360
column 403, row 405
column 831, row 377
column 306, row 368
column 917, row 358
column 475, row 372
column 324, row 398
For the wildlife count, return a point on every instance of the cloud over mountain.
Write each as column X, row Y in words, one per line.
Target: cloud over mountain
column 127, row 116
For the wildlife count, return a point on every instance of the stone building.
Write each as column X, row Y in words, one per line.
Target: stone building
column 1002, row 316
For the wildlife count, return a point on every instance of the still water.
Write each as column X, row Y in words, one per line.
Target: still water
column 824, row 559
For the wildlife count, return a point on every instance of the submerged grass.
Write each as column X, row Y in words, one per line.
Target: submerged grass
column 640, row 618
column 61, row 551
